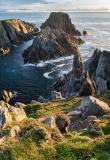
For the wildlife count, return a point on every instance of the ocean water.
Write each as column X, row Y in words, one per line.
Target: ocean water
column 31, row 81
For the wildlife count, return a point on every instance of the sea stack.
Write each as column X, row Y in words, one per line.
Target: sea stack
column 59, row 20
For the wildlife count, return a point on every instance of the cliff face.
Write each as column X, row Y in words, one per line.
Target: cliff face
column 14, row 32
column 99, row 68
column 50, row 44
column 61, row 21
column 77, row 82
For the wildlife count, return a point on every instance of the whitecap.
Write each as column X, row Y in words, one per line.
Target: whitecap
column 29, row 65
column 47, row 75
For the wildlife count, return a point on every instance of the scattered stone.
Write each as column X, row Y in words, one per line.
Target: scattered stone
column 2, row 140
column 85, row 33
column 15, row 131
column 18, row 105
column 34, row 102
column 42, row 100
column 90, row 127
column 74, row 113
column 92, row 106
column 91, row 118
column 50, row 121
column 55, row 96
column 5, row 117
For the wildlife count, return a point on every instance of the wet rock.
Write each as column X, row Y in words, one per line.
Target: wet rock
column 85, row 33
column 92, row 106
column 60, row 20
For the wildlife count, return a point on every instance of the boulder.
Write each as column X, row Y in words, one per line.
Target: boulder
column 14, row 131
column 93, row 106
column 19, row 113
column 90, row 127
column 19, row 105
column 50, row 121
column 6, row 96
column 55, row 96
column 34, row 102
column 60, row 20
column 42, row 100
column 5, row 116
column 84, row 32
column 91, row 118
column 50, row 44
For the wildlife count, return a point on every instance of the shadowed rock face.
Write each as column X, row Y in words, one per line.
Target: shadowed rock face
column 14, row 32
column 50, row 44
column 62, row 21
column 76, row 82
column 99, row 68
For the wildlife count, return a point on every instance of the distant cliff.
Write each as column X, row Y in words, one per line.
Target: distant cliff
column 59, row 20
column 14, row 32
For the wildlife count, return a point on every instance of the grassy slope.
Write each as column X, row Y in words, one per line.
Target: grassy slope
column 73, row 146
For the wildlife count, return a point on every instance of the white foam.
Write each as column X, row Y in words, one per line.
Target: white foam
column 47, row 75
column 29, row 65
column 44, row 63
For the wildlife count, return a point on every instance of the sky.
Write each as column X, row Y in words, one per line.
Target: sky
column 54, row 5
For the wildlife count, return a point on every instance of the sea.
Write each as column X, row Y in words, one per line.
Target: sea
column 31, row 81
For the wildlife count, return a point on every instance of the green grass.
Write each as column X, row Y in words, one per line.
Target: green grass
column 36, row 144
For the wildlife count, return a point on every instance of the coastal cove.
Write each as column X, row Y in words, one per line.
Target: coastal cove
column 30, row 81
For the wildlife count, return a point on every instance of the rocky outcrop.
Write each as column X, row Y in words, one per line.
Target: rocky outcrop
column 14, row 32
column 62, row 21
column 55, row 96
column 92, row 106
column 77, row 82
column 9, row 113
column 99, row 68
column 6, row 96
column 84, row 32
column 50, row 44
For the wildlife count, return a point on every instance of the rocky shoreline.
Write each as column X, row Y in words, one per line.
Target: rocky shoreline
column 15, row 32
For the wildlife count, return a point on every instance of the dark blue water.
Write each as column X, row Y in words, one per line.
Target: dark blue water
column 31, row 81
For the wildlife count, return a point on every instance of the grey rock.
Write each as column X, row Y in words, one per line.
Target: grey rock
column 34, row 102
column 92, row 106
column 91, row 118
column 42, row 100
column 14, row 131
column 90, row 127
column 19, row 105
column 50, row 121
column 6, row 96
column 55, row 96
column 60, row 20
column 50, row 44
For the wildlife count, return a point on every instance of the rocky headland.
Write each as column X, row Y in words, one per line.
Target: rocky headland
column 53, row 42
column 14, row 32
